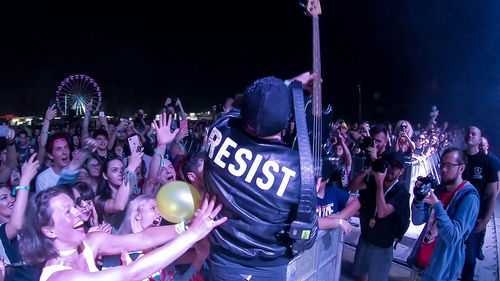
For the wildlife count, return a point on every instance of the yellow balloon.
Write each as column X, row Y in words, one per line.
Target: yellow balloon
column 177, row 201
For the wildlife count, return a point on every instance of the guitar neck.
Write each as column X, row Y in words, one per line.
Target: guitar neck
column 316, row 68
column 316, row 101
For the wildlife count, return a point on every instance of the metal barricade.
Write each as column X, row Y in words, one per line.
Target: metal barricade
column 418, row 167
column 321, row 262
column 421, row 167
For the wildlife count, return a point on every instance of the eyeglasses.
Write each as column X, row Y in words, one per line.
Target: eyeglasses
column 449, row 165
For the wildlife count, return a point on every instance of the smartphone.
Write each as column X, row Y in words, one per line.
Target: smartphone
column 101, row 114
column 134, row 144
column 184, row 125
column 4, row 131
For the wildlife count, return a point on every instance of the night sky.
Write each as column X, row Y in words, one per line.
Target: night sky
column 415, row 54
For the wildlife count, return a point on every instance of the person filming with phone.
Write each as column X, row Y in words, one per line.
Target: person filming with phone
column 449, row 213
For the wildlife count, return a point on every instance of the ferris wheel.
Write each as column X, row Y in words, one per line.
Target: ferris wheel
column 78, row 93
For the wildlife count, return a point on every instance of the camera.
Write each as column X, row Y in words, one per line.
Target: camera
column 367, row 142
column 335, row 134
column 380, row 165
column 423, row 190
column 172, row 103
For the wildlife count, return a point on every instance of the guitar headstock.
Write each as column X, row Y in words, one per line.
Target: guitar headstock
column 313, row 8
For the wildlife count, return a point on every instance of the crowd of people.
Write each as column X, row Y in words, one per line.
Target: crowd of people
column 77, row 198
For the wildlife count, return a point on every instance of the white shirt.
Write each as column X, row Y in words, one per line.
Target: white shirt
column 46, row 180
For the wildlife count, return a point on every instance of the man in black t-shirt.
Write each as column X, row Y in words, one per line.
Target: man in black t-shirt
column 483, row 174
column 384, row 201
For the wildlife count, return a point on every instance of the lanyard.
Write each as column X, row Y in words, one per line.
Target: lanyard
column 385, row 194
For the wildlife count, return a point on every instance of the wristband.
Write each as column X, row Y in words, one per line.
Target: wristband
column 162, row 157
column 16, row 188
column 181, row 227
column 288, row 82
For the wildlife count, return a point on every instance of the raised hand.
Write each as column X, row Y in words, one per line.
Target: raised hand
column 168, row 101
column 181, row 134
column 51, row 113
column 379, row 177
column 372, row 152
column 90, row 145
column 103, row 120
column 307, row 79
column 88, row 107
column 204, row 219
column 103, row 227
column 135, row 160
column 29, row 170
column 11, row 135
column 164, row 135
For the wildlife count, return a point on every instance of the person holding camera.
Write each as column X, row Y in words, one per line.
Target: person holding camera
column 173, row 106
column 384, row 215
column 449, row 213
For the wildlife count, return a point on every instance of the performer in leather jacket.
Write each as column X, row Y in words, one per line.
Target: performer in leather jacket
column 257, row 179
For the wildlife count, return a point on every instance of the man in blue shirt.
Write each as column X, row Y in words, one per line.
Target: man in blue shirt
column 334, row 205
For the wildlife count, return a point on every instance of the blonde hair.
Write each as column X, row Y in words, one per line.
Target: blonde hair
column 408, row 130
column 129, row 224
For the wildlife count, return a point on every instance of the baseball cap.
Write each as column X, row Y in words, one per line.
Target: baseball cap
column 396, row 156
column 267, row 106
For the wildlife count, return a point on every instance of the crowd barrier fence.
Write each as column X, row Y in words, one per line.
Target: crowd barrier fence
column 321, row 262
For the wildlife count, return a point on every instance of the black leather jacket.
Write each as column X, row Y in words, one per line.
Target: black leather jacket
column 258, row 182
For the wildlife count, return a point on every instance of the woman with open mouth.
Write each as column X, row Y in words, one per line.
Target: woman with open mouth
column 12, row 208
column 141, row 214
column 84, row 201
column 56, row 238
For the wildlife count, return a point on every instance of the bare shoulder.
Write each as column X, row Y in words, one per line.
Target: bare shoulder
column 95, row 239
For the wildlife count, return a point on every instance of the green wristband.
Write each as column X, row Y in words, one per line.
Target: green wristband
column 17, row 187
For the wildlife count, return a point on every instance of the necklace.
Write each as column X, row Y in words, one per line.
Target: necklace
column 64, row 253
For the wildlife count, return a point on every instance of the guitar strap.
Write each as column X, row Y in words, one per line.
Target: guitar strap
column 305, row 226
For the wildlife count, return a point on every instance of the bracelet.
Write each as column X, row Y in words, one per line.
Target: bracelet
column 17, row 187
column 162, row 157
column 10, row 143
column 181, row 227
